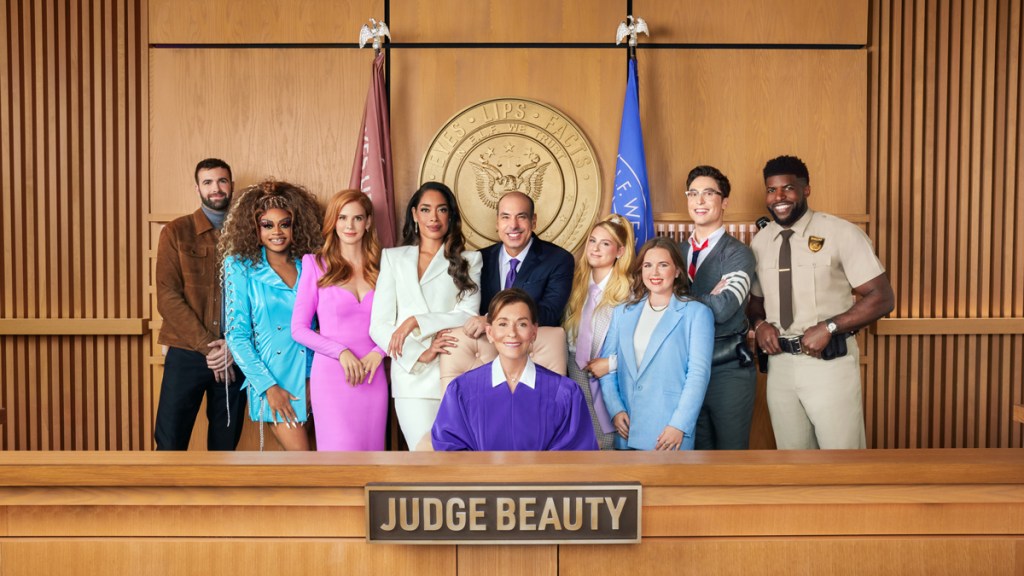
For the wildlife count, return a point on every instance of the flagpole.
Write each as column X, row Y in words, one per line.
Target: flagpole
column 631, row 197
column 372, row 166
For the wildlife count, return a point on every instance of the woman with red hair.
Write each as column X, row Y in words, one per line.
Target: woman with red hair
column 348, row 391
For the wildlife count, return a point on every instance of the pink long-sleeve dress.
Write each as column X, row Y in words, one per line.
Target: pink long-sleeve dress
column 347, row 417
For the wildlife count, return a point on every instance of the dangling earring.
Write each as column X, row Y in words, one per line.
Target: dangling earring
column 416, row 225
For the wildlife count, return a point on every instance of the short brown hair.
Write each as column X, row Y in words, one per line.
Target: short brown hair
column 511, row 296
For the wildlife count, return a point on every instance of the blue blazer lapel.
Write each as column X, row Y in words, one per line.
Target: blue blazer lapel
column 489, row 275
column 662, row 331
column 630, row 318
column 534, row 260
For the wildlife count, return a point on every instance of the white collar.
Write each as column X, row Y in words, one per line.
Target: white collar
column 528, row 377
column 603, row 283
column 712, row 238
column 520, row 257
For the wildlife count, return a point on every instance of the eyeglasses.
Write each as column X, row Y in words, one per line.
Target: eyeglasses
column 707, row 194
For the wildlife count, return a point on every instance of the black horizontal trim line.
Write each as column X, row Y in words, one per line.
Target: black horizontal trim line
column 528, row 45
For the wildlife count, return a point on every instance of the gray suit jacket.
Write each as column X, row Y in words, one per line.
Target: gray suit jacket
column 734, row 259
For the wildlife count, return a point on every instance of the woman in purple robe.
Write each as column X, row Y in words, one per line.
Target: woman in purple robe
column 512, row 403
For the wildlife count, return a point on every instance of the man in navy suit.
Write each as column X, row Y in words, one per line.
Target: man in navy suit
column 522, row 260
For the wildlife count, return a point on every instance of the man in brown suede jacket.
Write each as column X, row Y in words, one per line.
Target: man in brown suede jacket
column 188, row 297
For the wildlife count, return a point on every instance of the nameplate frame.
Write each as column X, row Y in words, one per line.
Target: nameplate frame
column 509, row 514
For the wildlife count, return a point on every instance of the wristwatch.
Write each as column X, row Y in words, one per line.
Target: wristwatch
column 831, row 326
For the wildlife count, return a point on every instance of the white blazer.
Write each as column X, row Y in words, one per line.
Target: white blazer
column 433, row 300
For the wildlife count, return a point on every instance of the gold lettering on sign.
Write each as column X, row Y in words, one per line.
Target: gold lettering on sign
column 526, row 513
column 532, row 514
column 476, row 514
column 506, row 514
column 615, row 508
column 595, row 510
column 570, row 524
column 549, row 516
column 433, row 519
column 455, row 521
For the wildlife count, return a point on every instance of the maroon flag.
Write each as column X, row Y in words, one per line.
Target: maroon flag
column 371, row 170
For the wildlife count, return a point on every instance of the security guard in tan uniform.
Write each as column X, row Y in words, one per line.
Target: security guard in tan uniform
column 804, row 314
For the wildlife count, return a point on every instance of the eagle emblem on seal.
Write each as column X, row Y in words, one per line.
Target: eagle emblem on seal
column 508, row 174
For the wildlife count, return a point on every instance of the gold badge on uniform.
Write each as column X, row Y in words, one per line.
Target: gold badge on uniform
column 815, row 243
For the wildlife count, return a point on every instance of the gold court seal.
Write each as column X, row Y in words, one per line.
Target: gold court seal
column 508, row 144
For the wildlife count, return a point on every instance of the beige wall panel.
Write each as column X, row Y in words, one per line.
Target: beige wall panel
column 508, row 21
column 428, row 87
column 837, row 556
column 735, row 109
column 259, row 21
column 508, row 560
column 290, row 114
column 224, row 557
column 261, row 521
column 746, row 22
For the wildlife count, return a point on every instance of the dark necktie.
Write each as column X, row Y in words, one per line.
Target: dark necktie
column 692, row 271
column 510, row 278
column 785, row 281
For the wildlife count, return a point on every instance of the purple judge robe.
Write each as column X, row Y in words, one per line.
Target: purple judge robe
column 478, row 412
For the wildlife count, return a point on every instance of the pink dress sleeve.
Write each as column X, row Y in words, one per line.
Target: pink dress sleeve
column 306, row 302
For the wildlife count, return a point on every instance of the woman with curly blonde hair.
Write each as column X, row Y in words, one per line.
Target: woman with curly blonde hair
column 348, row 391
column 270, row 227
column 601, row 283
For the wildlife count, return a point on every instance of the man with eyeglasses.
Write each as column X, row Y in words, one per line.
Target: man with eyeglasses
column 721, row 270
column 809, row 264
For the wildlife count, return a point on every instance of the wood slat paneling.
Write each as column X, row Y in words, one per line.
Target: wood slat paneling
column 72, row 136
column 944, row 173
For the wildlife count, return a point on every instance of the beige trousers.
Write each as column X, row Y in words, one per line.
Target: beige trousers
column 816, row 403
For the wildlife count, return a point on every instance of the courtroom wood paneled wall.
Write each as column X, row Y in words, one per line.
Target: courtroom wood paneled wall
column 73, row 136
column 945, row 177
column 908, row 114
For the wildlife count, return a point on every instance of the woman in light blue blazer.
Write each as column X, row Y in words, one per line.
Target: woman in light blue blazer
column 663, row 342
column 270, row 227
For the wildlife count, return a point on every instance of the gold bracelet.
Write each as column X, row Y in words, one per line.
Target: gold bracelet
column 758, row 324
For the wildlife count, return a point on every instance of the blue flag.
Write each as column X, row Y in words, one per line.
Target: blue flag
column 631, row 196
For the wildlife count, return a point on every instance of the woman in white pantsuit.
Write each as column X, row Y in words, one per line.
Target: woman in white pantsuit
column 426, row 287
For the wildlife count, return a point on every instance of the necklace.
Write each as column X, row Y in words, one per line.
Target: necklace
column 662, row 309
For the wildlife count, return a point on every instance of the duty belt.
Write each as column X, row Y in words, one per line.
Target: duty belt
column 792, row 345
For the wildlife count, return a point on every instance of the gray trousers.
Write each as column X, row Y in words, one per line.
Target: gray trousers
column 724, row 420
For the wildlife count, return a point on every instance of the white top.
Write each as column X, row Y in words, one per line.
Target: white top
column 528, row 377
column 649, row 319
